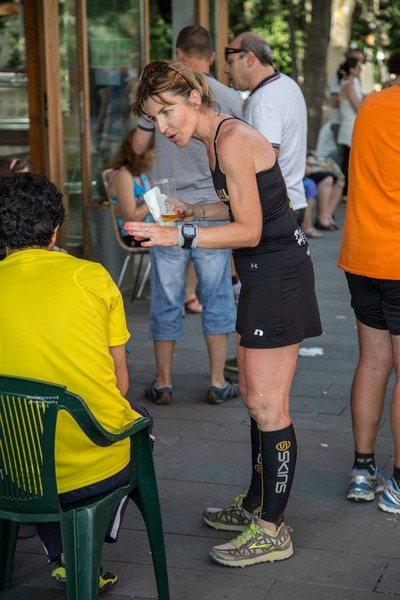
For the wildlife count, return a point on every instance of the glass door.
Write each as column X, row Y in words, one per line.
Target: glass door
column 14, row 113
column 73, row 123
column 114, row 31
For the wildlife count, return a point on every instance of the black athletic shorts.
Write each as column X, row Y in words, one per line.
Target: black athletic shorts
column 278, row 311
column 376, row 302
column 321, row 175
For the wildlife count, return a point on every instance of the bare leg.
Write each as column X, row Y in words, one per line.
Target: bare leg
column 369, row 385
column 216, row 346
column 323, row 202
column 307, row 221
column 164, row 355
column 395, row 407
column 268, row 378
column 335, row 197
column 191, row 282
column 307, row 224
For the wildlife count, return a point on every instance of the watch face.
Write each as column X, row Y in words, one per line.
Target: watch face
column 188, row 230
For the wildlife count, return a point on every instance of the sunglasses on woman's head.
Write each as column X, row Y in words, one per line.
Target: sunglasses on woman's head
column 159, row 66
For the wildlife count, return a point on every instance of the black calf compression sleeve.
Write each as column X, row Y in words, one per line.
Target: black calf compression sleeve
column 278, row 456
column 253, row 497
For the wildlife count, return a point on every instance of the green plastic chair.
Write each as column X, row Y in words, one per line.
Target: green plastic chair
column 28, row 489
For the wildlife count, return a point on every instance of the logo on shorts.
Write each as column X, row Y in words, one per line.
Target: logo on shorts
column 258, row 332
column 254, row 265
column 300, row 237
column 282, row 446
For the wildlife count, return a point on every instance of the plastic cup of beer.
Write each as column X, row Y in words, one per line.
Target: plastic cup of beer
column 168, row 194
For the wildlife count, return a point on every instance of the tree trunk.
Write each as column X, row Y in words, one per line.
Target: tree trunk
column 314, row 66
column 292, row 40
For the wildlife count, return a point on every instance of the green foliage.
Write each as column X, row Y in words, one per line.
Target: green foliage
column 380, row 20
column 160, row 38
column 12, row 44
column 270, row 19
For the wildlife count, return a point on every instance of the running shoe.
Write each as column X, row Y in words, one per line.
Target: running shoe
column 390, row 497
column 159, row 395
column 255, row 545
column 232, row 518
column 364, row 485
column 106, row 580
column 217, row 395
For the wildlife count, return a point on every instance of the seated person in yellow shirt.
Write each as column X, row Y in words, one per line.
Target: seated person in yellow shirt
column 62, row 320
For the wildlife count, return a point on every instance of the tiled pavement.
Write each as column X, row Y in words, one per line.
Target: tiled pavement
column 343, row 551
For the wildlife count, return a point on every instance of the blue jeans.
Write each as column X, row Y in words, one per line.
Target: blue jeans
column 168, row 279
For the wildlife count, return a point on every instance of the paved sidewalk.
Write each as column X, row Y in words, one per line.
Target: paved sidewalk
column 343, row 551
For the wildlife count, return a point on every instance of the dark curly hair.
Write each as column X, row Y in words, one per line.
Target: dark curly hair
column 30, row 209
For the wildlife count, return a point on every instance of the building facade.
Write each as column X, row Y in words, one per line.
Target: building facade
column 68, row 73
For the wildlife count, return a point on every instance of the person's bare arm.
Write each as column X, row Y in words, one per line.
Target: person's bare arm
column 118, row 354
column 212, row 211
column 141, row 140
column 240, row 169
column 122, row 187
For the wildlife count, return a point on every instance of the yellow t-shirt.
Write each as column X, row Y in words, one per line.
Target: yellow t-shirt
column 371, row 235
column 58, row 317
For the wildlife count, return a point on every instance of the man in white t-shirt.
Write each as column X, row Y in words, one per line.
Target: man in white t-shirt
column 275, row 106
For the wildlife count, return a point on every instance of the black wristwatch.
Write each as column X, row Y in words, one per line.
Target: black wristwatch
column 189, row 232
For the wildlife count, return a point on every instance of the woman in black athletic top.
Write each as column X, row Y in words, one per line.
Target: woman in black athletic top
column 277, row 306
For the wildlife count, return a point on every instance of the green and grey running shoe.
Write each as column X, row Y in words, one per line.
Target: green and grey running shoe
column 364, row 484
column 255, row 545
column 232, row 518
column 106, row 580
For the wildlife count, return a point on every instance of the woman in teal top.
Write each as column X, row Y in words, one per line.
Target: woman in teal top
column 127, row 184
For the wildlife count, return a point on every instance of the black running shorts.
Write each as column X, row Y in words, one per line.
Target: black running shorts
column 278, row 311
column 376, row 302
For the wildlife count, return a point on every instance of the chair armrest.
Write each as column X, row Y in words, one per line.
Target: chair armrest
column 93, row 429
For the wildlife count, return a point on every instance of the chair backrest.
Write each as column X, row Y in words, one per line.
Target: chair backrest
column 106, row 174
column 28, row 416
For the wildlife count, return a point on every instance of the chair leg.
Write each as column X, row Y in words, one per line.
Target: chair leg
column 144, row 280
column 123, row 270
column 145, row 497
column 83, row 530
column 8, row 544
column 137, row 277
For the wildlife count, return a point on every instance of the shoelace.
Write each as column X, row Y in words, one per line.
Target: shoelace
column 250, row 531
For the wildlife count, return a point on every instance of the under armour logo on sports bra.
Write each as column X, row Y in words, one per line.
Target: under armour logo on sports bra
column 222, row 194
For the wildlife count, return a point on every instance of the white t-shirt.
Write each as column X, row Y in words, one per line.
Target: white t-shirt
column 326, row 145
column 277, row 109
